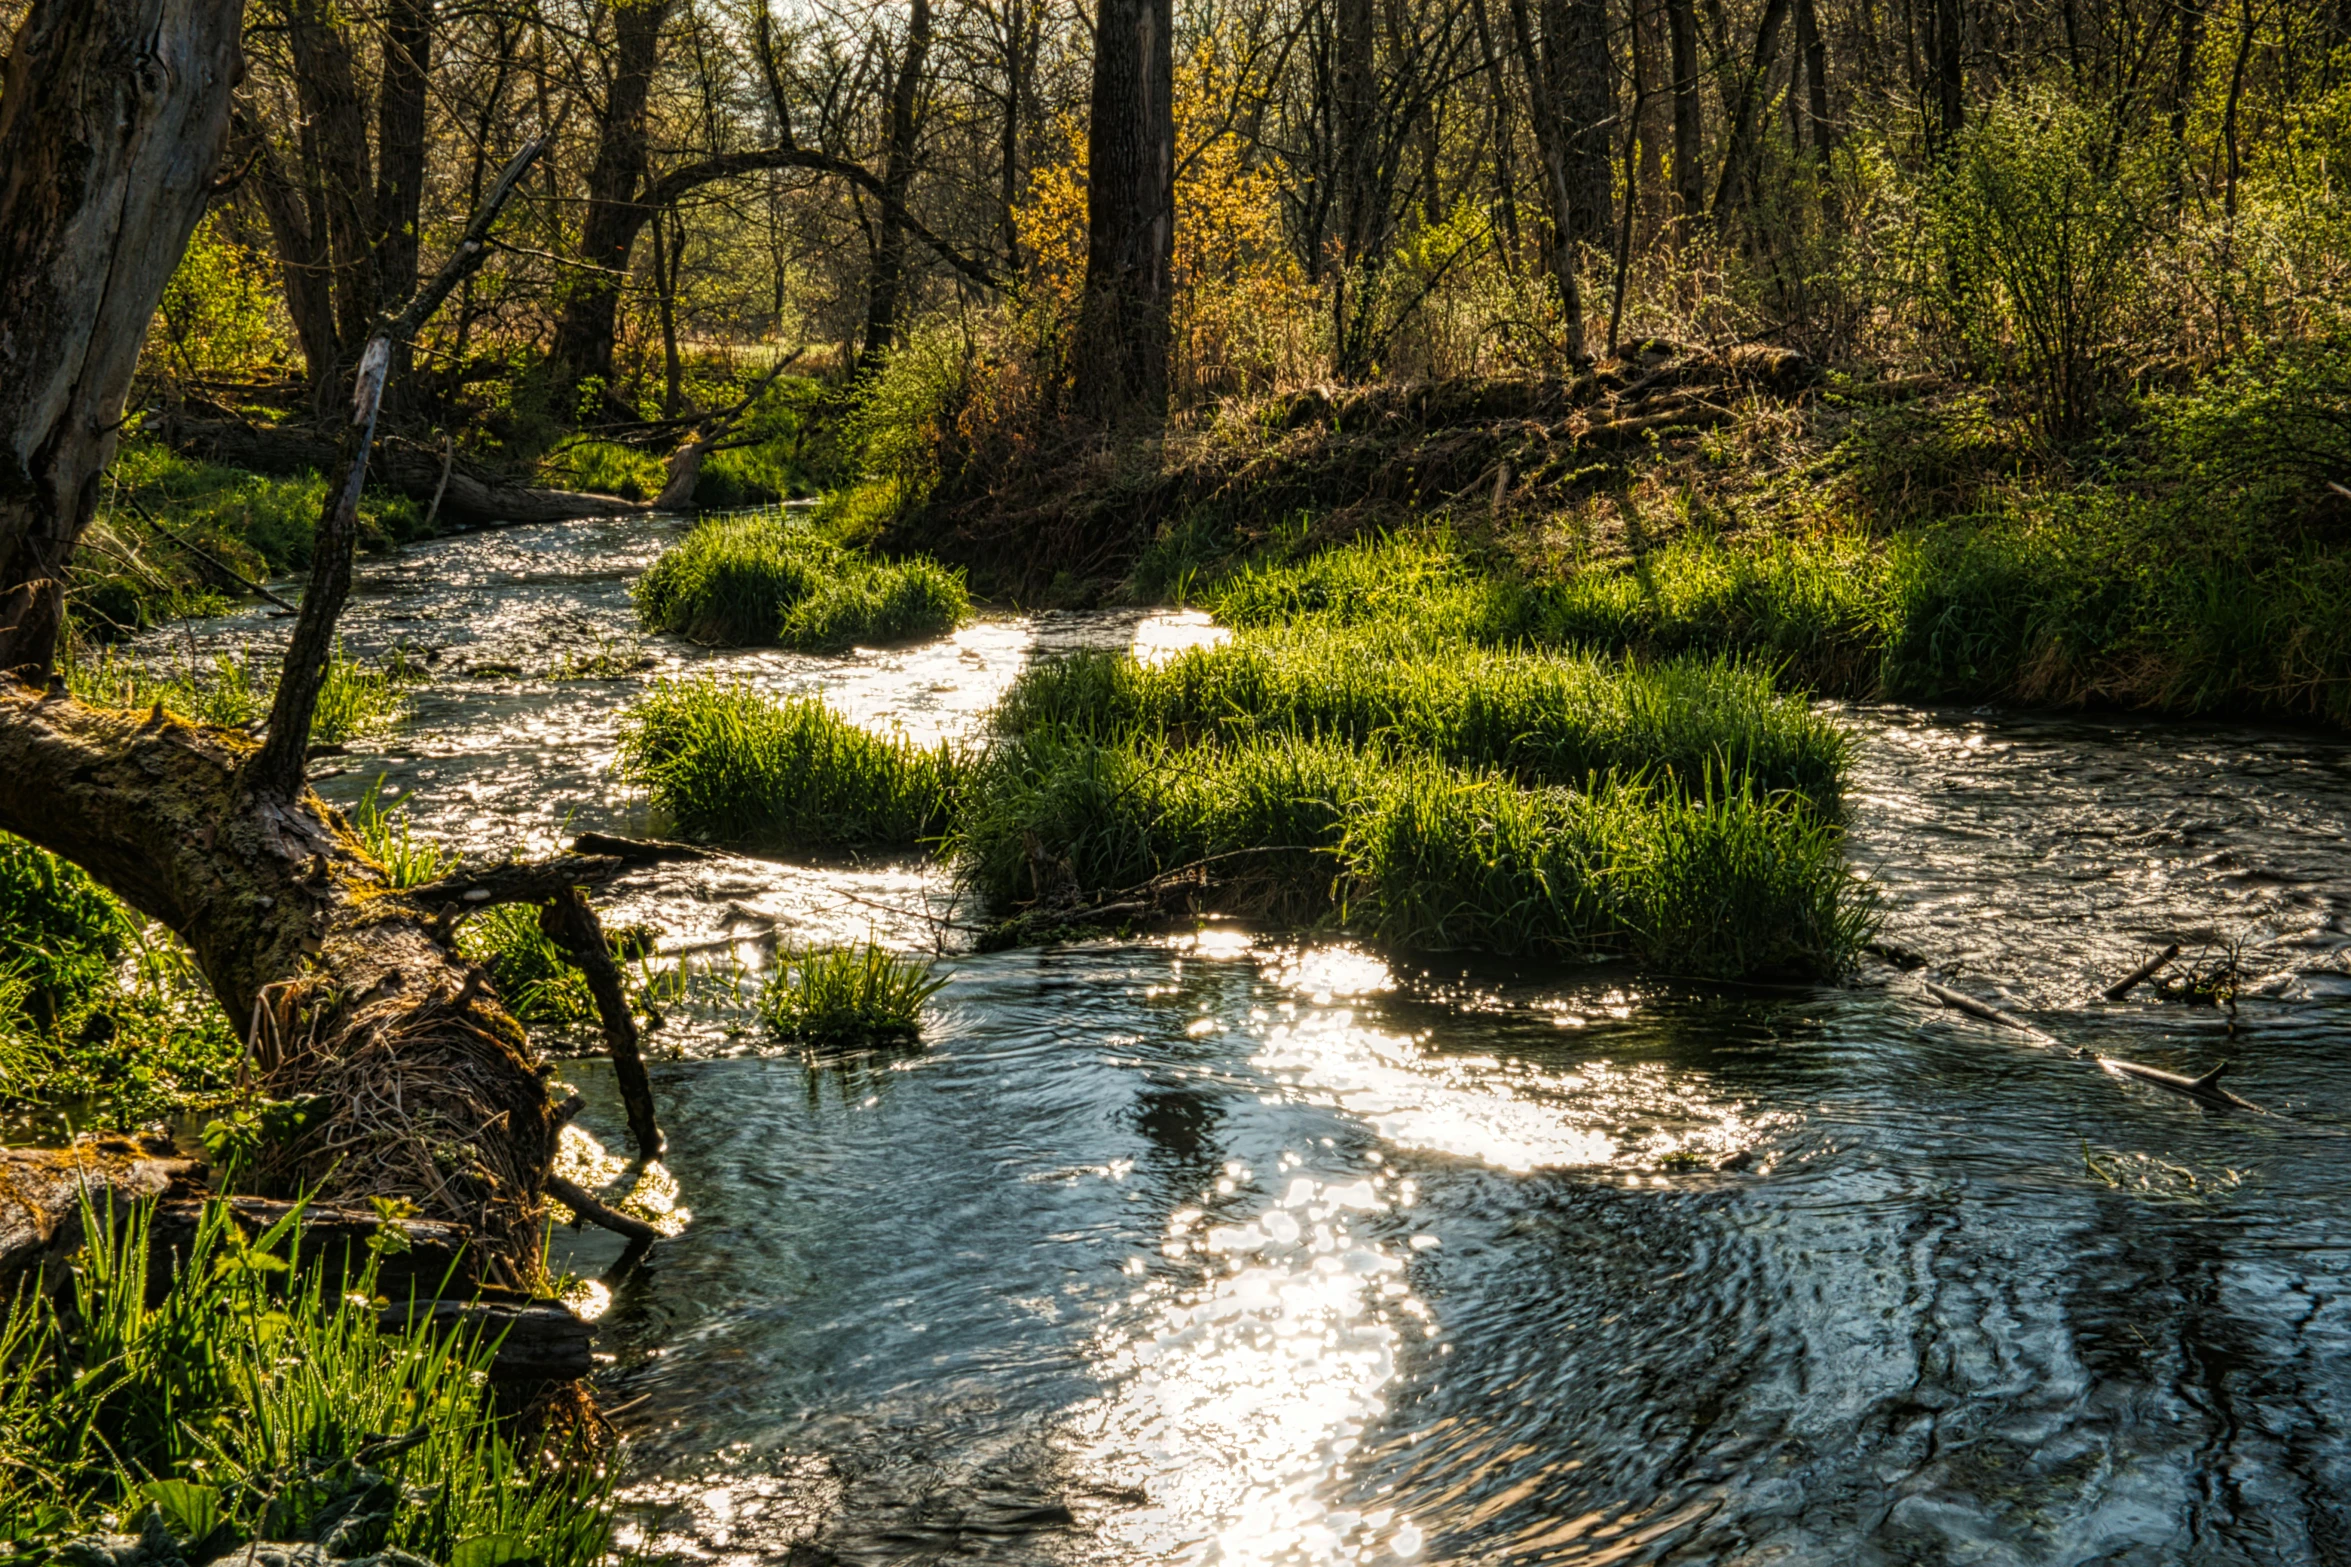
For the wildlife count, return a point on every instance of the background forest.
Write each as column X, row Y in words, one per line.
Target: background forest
column 2037, row 266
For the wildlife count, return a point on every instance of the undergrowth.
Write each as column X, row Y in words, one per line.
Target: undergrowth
column 251, row 1394
column 99, row 1010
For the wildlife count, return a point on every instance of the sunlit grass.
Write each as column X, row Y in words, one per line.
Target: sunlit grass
column 846, row 995
column 731, row 764
column 234, row 689
column 757, row 581
column 1700, row 878
column 1542, row 717
column 248, row 1396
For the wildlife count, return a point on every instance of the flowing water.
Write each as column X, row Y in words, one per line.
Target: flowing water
column 1240, row 1248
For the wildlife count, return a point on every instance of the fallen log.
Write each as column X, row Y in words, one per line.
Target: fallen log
column 431, row 1257
column 471, row 498
column 2205, row 1089
column 538, row 1340
column 42, row 1191
column 1985, row 1010
column 2144, row 972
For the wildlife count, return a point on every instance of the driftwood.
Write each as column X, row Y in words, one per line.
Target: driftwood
column 472, row 497
column 1985, row 1010
column 2205, row 1089
column 584, row 1203
column 592, row 859
column 2144, row 972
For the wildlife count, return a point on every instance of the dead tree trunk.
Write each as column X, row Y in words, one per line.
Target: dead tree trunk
column 1123, row 323
column 111, row 126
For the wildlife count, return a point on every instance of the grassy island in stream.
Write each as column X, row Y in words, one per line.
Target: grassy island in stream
column 1389, row 774
column 753, row 581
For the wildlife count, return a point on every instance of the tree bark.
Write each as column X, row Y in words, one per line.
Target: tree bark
column 111, row 127
column 591, row 312
column 1689, row 124
column 888, row 281
column 400, row 158
column 335, row 155
column 1121, row 380
column 1738, row 157
column 1947, row 74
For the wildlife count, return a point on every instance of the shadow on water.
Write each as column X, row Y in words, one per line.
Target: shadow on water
column 1220, row 1249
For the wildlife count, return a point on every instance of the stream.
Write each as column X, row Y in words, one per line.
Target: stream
column 1234, row 1247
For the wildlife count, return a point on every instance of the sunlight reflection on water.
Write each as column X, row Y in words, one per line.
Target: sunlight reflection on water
column 1235, row 1410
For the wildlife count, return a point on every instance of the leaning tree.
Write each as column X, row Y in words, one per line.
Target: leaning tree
column 112, row 125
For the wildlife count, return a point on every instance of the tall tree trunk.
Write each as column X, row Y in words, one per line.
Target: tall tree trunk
column 1738, row 155
column 1946, row 73
column 888, row 282
column 590, row 321
column 400, row 157
column 1570, row 83
column 112, row 122
column 334, row 142
column 1689, row 124
column 1024, row 23
column 1498, row 135
column 303, row 262
column 1819, row 134
column 669, row 244
column 1121, row 379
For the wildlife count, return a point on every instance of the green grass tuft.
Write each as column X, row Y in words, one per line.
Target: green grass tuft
column 252, row 1395
column 235, row 690
column 755, row 581
column 731, row 764
column 846, row 995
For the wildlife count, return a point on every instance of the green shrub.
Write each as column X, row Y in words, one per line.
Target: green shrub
column 749, row 581
column 252, row 1395
column 846, row 995
column 607, row 468
column 383, row 830
column 731, row 764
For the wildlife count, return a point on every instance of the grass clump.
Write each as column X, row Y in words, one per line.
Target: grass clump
column 252, row 1395
column 1698, row 879
column 729, row 763
column 754, row 581
column 1543, row 718
column 846, row 995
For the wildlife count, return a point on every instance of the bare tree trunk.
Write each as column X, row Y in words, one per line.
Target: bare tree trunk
column 400, row 157
column 1738, row 156
column 888, row 282
column 669, row 243
column 591, row 311
column 1947, row 73
column 112, row 122
column 1121, row 379
column 1689, row 124
column 1568, row 90
column 303, row 260
column 334, row 140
